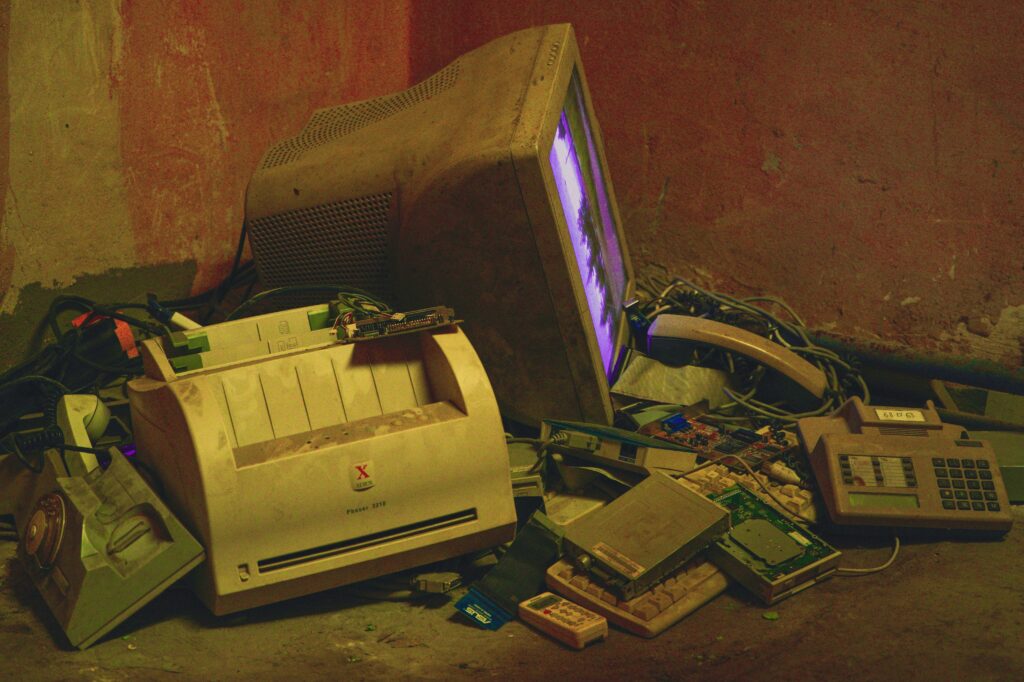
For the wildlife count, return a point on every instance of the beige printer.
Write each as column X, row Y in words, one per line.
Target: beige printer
column 302, row 463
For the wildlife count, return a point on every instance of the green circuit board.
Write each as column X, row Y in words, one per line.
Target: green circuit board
column 764, row 540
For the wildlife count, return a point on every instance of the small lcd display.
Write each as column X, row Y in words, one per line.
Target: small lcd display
column 576, row 165
column 543, row 602
column 884, row 501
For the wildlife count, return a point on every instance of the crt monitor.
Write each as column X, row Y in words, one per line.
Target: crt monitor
column 484, row 187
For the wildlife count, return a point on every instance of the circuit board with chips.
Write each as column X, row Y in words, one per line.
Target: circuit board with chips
column 721, row 443
column 351, row 329
column 767, row 553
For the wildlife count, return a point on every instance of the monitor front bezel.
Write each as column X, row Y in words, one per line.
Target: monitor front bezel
column 558, row 58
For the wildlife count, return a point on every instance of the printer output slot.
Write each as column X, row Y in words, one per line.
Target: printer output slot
column 362, row 542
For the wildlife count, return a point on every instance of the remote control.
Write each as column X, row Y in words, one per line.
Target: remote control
column 569, row 623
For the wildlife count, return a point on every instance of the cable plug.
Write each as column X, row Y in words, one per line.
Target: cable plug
column 168, row 316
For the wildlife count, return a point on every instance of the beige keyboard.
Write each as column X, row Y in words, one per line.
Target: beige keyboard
column 716, row 478
column 684, row 591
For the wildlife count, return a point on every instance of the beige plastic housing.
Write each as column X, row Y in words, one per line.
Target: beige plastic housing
column 307, row 469
column 445, row 192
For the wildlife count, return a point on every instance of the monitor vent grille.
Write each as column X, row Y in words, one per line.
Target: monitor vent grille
column 328, row 125
column 902, row 431
column 339, row 243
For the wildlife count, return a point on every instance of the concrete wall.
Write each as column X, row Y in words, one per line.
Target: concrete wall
column 863, row 160
column 128, row 131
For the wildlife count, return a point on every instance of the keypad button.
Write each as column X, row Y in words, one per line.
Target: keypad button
column 988, row 485
column 957, row 483
column 946, row 494
column 944, row 483
column 956, row 473
column 975, row 494
column 970, row 473
column 948, row 504
column 993, row 506
column 989, row 495
column 953, row 462
column 961, row 494
column 982, row 463
column 963, row 505
column 973, row 485
column 911, row 482
column 978, row 506
column 941, row 473
column 938, row 461
column 985, row 475
column 967, row 463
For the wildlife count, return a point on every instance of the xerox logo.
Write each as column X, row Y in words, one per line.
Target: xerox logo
column 360, row 475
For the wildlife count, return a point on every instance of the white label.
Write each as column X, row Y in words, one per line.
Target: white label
column 361, row 475
column 891, row 415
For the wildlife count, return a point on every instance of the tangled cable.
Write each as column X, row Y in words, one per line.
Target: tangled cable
column 660, row 294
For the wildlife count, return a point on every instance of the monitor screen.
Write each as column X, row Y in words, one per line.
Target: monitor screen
column 592, row 230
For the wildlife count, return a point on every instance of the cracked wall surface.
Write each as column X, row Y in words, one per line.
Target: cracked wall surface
column 865, row 161
column 128, row 131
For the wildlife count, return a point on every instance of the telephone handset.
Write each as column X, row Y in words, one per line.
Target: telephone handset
column 670, row 336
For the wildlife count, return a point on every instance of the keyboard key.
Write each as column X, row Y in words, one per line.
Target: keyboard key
column 956, row 473
column 989, row 495
column 988, row 485
column 948, row 504
column 961, row 494
column 978, row 506
column 944, row 483
column 973, row 485
column 963, row 505
column 941, row 473
column 982, row 463
column 970, row 473
column 953, row 462
column 938, row 461
column 957, row 483
column 985, row 475
column 967, row 463
column 993, row 506
column 975, row 494
column 948, row 494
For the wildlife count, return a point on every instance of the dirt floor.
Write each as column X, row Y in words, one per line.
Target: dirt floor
column 945, row 610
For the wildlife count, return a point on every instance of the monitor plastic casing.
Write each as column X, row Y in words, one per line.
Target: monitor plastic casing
column 444, row 194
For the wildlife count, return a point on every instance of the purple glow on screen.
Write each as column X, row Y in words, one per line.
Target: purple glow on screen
column 586, row 244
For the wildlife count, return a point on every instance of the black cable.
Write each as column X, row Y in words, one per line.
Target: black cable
column 246, row 274
column 222, row 290
column 60, row 303
column 34, row 379
column 312, row 288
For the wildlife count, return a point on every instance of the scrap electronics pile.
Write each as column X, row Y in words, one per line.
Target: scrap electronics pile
column 594, row 448
column 571, row 527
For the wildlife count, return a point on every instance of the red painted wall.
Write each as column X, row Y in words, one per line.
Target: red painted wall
column 863, row 161
column 205, row 88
